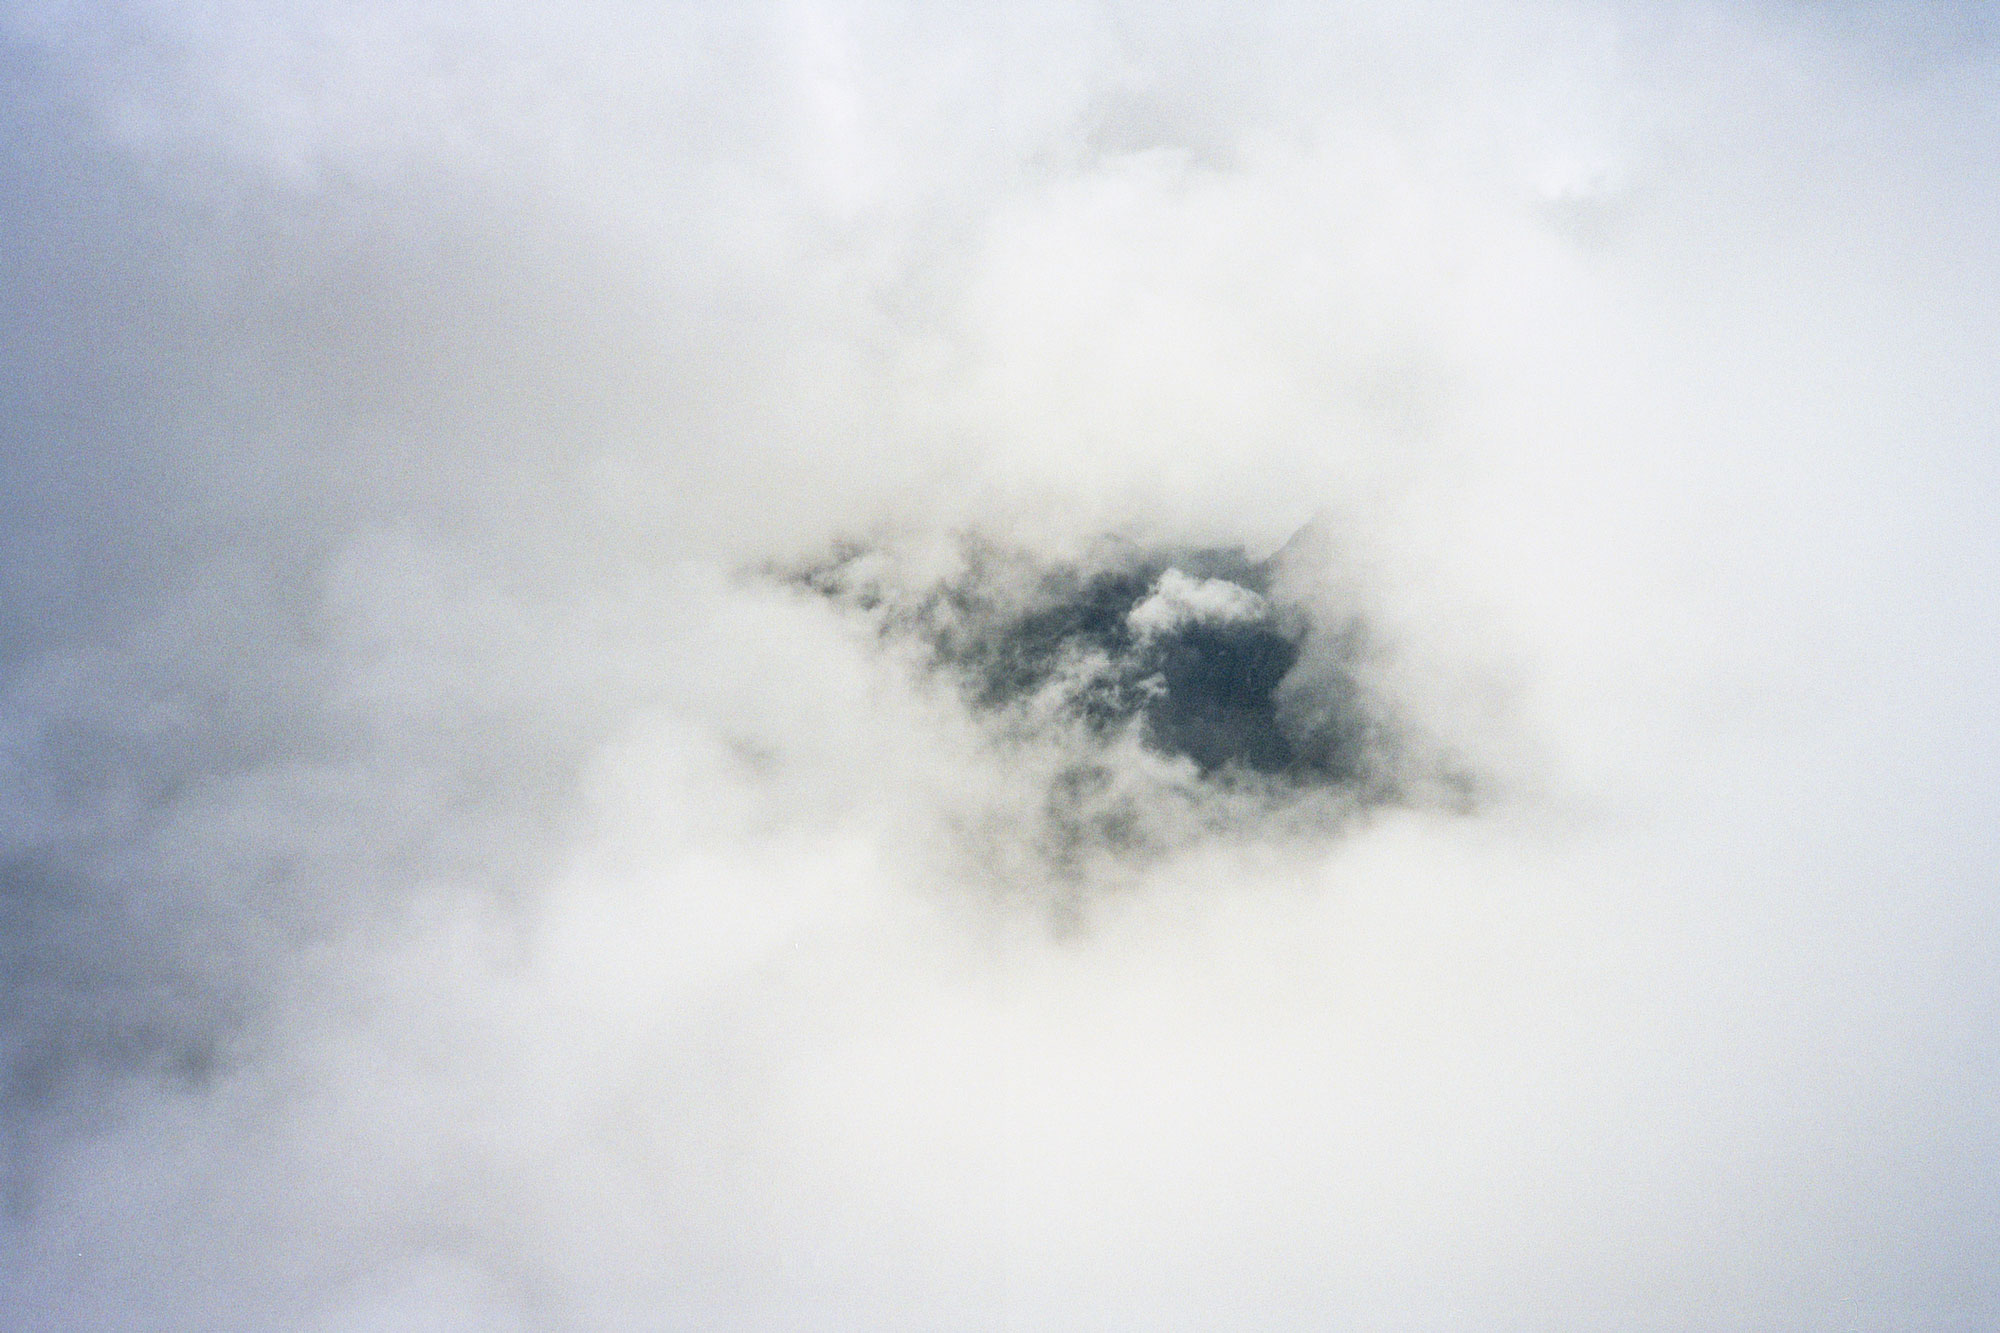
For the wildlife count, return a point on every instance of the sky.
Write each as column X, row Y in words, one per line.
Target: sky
column 820, row 666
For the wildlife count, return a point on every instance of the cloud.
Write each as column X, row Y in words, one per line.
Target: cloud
column 832, row 665
column 1177, row 601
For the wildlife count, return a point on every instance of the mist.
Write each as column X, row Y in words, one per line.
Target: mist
column 825, row 666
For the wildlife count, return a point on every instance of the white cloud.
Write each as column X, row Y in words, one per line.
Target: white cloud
column 449, row 886
column 1177, row 600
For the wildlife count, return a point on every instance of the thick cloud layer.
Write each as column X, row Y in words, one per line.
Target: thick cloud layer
column 824, row 666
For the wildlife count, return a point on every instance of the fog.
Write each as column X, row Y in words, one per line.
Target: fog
column 832, row 666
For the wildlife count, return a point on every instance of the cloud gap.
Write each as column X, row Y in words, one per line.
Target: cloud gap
column 1160, row 694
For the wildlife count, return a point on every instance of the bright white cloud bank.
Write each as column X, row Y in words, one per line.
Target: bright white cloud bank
column 448, row 886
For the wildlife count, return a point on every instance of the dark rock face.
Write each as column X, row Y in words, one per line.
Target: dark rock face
column 1198, row 687
column 1215, row 705
column 1184, row 646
